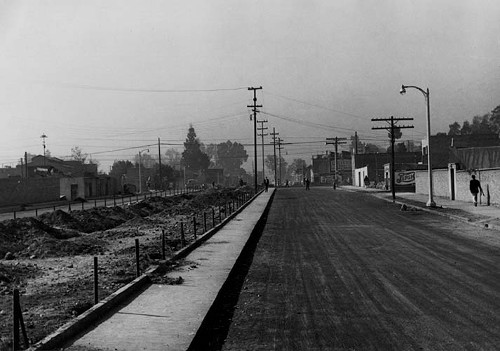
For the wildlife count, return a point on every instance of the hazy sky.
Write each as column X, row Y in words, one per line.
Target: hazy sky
column 110, row 75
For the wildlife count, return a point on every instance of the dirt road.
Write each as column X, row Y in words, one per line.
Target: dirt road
column 336, row 270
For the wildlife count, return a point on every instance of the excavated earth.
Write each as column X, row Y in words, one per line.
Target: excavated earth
column 50, row 258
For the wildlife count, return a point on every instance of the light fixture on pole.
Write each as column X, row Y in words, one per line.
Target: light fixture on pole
column 140, row 176
column 44, row 146
column 430, row 202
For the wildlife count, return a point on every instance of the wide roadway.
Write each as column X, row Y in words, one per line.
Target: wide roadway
column 338, row 270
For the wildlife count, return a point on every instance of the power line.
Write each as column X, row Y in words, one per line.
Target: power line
column 315, row 105
column 137, row 90
column 305, row 123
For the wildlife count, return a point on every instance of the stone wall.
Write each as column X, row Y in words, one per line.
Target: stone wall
column 16, row 191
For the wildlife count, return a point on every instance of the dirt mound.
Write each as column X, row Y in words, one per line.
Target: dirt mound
column 61, row 218
column 51, row 255
column 17, row 235
column 45, row 246
column 88, row 221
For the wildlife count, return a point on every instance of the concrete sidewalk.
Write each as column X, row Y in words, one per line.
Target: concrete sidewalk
column 482, row 215
column 167, row 317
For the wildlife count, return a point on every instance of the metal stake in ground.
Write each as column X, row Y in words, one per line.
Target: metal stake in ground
column 194, row 227
column 18, row 321
column 183, row 239
column 204, row 222
column 96, row 281
column 137, row 257
column 163, row 244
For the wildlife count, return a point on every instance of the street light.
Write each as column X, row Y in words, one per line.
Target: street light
column 430, row 202
column 140, row 177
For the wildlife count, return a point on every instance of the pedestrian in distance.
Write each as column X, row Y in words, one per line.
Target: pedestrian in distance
column 307, row 184
column 266, row 184
column 475, row 188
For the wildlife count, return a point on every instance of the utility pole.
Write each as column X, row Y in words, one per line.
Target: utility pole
column 337, row 141
column 140, row 175
column 392, row 128
column 261, row 129
column 254, row 110
column 159, row 164
column 279, row 151
column 274, row 148
column 26, row 164
column 44, row 146
column 355, row 143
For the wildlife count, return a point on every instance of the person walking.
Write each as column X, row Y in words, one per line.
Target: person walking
column 266, row 183
column 307, row 184
column 475, row 188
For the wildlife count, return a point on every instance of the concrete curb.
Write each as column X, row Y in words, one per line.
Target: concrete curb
column 479, row 224
column 99, row 311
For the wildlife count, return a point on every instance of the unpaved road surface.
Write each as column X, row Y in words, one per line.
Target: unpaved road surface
column 336, row 270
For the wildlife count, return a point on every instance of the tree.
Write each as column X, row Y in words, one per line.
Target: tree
column 495, row 119
column 371, row 148
column 298, row 166
column 230, row 156
column 78, row 155
column 454, row 129
column 211, row 151
column 173, row 157
column 192, row 157
column 167, row 174
column 269, row 162
column 120, row 168
column 147, row 161
column 466, row 128
column 399, row 147
column 485, row 124
column 480, row 125
column 397, row 133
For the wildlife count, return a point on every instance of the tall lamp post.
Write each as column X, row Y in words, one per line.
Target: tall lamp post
column 430, row 202
column 140, row 176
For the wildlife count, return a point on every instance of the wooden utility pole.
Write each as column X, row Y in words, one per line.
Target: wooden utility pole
column 337, row 141
column 26, row 164
column 254, row 110
column 159, row 164
column 279, row 152
column 355, row 143
column 274, row 148
column 392, row 128
column 261, row 129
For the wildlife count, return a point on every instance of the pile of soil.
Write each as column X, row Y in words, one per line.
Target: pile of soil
column 50, row 258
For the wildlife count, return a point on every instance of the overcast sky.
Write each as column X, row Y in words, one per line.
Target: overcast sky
column 111, row 75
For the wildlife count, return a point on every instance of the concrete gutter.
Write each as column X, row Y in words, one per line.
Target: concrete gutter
column 486, row 223
column 101, row 309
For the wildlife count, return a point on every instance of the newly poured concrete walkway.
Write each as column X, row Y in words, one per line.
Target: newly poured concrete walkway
column 167, row 317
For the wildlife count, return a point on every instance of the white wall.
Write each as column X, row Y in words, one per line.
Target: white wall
column 359, row 176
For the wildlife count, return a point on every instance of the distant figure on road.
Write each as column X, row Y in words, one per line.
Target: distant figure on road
column 475, row 188
column 367, row 181
column 307, row 184
column 266, row 183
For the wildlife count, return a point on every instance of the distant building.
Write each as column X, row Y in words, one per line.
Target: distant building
column 442, row 146
column 323, row 167
column 43, row 166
